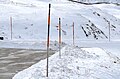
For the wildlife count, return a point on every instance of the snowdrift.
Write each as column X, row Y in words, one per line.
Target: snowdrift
column 76, row 63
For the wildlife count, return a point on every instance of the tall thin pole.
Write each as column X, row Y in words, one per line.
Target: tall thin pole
column 59, row 37
column 48, row 40
column 11, row 26
column 109, row 31
column 73, row 35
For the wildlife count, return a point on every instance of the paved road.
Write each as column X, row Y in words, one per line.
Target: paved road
column 15, row 60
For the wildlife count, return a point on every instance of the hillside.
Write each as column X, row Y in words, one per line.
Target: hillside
column 94, row 26
column 30, row 20
column 97, row 1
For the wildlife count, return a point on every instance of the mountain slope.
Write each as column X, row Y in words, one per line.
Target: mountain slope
column 89, row 2
column 30, row 20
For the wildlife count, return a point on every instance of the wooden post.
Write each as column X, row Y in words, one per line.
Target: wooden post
column 11, row 26
column 48, row 40
column 59, row 37
column 73, row 35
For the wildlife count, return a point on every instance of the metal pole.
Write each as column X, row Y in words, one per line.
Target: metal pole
column 11, row 26
column 109, row 31
column 59, row 37
column 73, row 34
column 48, row 40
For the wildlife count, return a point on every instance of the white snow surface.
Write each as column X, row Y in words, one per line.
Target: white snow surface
column 75, row 63
column 97, row 59
column 30, row 20
column 98, row 1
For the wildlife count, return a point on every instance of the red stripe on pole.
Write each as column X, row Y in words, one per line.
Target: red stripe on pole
column 49, row 19
column 48, row 40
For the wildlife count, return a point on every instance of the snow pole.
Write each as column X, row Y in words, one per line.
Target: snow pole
column 109, row 31
column 48, row 40
column 11, row 26
column 59, row 37
column 73, row 35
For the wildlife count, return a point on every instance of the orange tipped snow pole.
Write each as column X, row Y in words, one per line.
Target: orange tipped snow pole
column 48, row 40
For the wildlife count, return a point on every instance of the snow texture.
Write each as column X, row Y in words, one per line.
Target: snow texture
column 75, row 63
column 30, row 20
column 92, row 23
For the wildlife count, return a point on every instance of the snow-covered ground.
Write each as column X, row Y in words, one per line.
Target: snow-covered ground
column 98, row 58
column 30, row 20
column 98, row 1
column 29, row 44
column 76, row 63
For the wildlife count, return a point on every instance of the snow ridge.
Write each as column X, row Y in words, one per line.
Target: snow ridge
column 96, row 1
column 76, row 63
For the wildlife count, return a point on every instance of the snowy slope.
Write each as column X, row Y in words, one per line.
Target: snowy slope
column 98, row 1
column 30, row 20
column 110, row 9
column 92, row 23
column 76, row 63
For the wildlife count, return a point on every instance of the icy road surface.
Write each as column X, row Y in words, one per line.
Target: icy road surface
column 15, row 60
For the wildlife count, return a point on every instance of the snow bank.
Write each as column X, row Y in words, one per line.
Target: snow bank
column 76, row 63
column 30, row 44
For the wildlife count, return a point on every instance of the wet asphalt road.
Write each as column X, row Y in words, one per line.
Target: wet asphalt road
column 15, row 60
